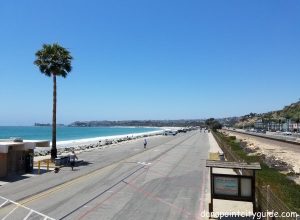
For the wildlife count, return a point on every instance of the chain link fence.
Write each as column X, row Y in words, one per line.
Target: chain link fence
column 266, row 200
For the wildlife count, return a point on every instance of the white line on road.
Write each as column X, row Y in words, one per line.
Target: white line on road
column 3, row 203
column 27, row 216
column 144, row 163
column 10, row 212
column 22, row 206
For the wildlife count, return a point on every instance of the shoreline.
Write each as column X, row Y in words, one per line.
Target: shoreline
column 97, row 142
column 66, row 143
column 68, row 135
column 62, row 144
column 79, row 145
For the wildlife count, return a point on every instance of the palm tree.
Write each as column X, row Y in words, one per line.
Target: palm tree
column 279, row 123
column 54, row 60
column 288, row 122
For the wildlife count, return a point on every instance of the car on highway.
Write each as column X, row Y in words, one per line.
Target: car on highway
column 170, row 132
column 262, row 131
column 253, row 130
column 182, row 130
column 287, row 133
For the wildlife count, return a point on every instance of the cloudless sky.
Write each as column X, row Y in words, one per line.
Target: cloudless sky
column 150, row 59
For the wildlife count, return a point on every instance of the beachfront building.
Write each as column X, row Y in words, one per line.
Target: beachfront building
column 17, row 156
column 268, row 126
column 276, row 126
column 294, row 127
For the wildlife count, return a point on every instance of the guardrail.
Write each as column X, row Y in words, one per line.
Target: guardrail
column 266, row 200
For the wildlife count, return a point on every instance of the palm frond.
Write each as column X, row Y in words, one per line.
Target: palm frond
column 54, row 59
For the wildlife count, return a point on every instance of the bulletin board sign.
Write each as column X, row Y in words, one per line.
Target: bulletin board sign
column 232, row 187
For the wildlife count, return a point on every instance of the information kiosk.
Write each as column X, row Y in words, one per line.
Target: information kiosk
column 240, row 187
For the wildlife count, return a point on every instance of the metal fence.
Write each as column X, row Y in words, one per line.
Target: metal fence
column 266, row 200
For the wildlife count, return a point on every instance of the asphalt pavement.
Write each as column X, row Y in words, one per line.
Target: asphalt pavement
column 167, row 180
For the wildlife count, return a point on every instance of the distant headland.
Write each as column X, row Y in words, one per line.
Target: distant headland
column 47, row 125
column 130, row 123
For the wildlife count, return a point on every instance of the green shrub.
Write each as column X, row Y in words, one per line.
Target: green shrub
column 232, row 138
column 287, row 190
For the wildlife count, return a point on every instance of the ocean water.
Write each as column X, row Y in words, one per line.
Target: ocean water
column 67, row 133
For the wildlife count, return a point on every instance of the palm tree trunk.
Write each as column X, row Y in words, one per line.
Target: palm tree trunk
column 53, row 149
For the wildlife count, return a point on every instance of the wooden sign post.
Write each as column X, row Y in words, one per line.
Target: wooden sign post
column 238, row 187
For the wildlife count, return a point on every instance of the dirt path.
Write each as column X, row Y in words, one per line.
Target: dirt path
column 278, row 151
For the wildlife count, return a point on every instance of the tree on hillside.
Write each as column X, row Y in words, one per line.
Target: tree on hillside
column 213, row 124
column 54, row 60
column 280, row 123
column 209, row 121
column 288, row 118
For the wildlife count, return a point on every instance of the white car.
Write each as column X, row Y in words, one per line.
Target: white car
column 170, row 132
column 287, row 133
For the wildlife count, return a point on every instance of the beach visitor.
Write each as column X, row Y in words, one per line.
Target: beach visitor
column 145, row 143
column 73, row 156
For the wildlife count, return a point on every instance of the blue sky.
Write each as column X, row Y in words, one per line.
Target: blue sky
column 150, row 59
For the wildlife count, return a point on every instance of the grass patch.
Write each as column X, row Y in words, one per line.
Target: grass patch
column 287, row 190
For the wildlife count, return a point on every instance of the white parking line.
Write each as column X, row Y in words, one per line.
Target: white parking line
column 27, row 216
column 5, row 217
column 24, row 207
column 3, row 203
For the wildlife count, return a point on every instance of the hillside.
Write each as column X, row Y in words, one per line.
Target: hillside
column 147, row 123
column 291, row 111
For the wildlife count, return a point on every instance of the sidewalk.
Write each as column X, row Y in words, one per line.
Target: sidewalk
column 20, row 176
column 226, row 205
column 13, row 177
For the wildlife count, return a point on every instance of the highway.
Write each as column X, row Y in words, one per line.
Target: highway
column 270, row 140
column 293, row 139
column 168, row 180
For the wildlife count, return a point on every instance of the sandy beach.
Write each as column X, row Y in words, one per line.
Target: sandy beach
column 64, row 147
column 272, row 150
